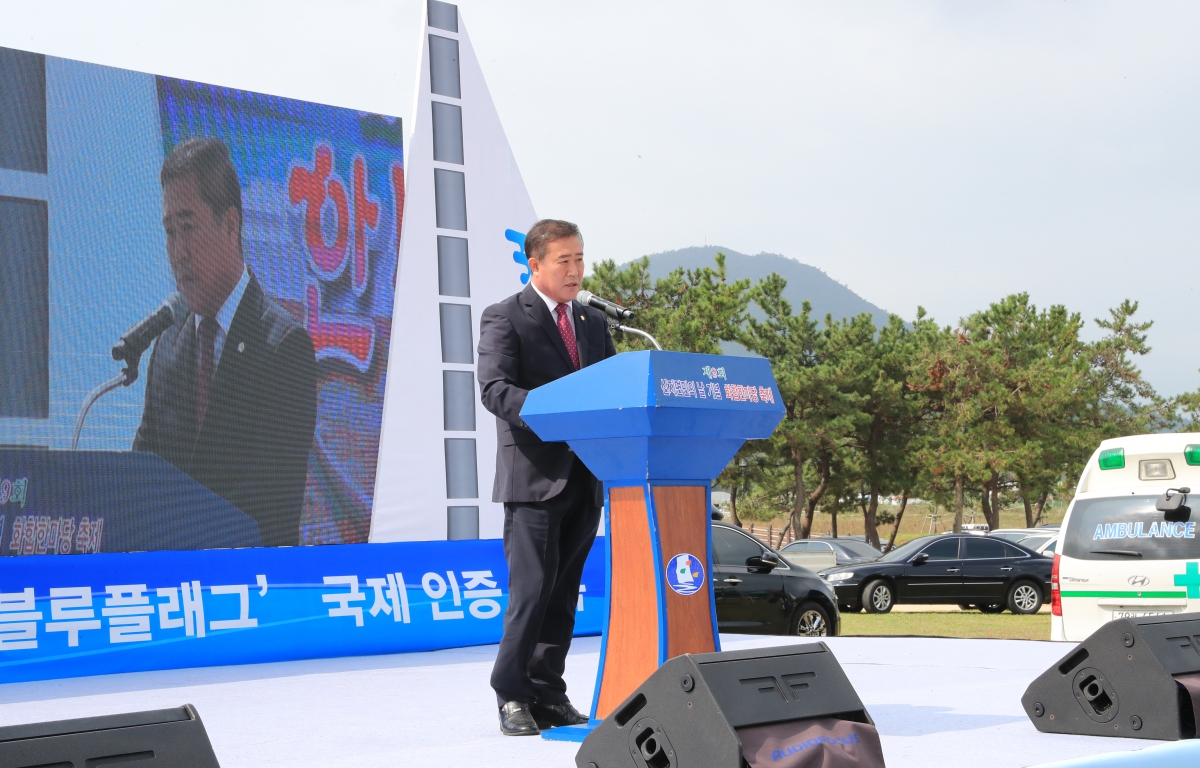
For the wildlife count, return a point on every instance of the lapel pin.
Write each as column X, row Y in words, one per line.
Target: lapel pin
column 241, row 346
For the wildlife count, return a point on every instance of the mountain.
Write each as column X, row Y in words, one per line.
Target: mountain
column 803, row 282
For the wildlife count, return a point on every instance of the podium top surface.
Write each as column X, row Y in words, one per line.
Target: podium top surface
column 659, row 394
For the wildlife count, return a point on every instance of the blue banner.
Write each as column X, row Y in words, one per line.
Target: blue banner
column 163, row 610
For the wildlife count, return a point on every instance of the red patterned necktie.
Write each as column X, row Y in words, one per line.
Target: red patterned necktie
column 567, row 332
column 208, row 346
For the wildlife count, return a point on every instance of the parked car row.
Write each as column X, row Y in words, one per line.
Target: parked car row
column 761, row 591
column 1126, row 544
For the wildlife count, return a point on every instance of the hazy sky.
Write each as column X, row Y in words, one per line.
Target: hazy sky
column 939, row 153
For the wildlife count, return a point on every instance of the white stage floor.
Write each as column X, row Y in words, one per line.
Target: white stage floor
column 936, row 702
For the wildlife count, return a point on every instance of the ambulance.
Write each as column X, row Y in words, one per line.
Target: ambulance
column 1128, row 545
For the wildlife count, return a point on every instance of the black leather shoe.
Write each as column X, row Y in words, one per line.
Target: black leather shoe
column 516, row 720
column 556, row 715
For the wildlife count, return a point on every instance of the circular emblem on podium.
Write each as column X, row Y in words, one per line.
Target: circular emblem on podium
column 685, row 574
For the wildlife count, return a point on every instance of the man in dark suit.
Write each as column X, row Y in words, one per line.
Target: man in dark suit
column 231, row 389
column 551, row 501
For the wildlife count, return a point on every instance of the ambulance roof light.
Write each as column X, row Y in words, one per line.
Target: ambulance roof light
column 1112, row 458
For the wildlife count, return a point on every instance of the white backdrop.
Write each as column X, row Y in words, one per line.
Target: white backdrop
column 411, row 489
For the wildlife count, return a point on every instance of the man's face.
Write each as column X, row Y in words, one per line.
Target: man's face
column 204, row 249
column 559, row 272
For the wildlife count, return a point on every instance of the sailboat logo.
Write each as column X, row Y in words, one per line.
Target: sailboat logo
column 685, row 574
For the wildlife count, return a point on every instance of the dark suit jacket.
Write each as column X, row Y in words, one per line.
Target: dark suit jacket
column 520, row 349
column 253, row 447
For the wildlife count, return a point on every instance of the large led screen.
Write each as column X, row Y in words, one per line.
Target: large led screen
column 249, row 244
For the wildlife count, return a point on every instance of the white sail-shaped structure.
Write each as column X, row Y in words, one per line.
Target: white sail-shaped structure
column 460, row 251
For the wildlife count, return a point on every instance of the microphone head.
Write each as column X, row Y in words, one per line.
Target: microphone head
column 584, row 297
column 178, row 306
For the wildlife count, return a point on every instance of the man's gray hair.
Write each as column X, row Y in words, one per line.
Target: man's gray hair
column 545, row 232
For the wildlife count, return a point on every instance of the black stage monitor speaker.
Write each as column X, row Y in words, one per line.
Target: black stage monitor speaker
column 786, row 706
column 1137, row 678
column 164, row 738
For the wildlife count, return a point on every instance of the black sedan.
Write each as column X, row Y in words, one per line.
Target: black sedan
column 969, row 571
column 759, row 593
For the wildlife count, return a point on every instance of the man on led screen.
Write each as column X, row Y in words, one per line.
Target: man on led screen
column 231, row 389
column 551, row 501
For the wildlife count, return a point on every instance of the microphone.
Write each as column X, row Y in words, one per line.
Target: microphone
column 134, row 341
column 615, row 311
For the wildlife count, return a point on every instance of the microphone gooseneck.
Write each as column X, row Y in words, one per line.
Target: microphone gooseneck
column 610, row 308
column 615, row 313
column 129, row 349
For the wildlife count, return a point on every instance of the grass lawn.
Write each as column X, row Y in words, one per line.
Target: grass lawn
column 964, row 624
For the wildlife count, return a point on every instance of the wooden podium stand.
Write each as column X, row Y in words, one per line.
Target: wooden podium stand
column 656, row 427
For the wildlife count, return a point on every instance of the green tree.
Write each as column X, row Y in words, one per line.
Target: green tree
column 1008, row 405
column 1015, row 400
column 1126, row 403
column 686, row 311
column 1041, row 365
column 878, row 368
column 817, row 410
column 845, row 486
column 1187, row 406
column 748, row 469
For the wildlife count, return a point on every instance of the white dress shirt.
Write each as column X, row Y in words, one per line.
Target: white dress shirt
column 225, row 315
column 552, row 305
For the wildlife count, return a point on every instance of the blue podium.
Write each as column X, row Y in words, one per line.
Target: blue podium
column 77, row 502
column 656, row 427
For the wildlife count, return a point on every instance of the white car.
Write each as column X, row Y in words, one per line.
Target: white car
column 1016, row 534
column 1118, row 554
column 818, row 554
column 1042, row 543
